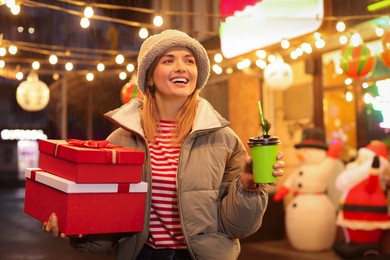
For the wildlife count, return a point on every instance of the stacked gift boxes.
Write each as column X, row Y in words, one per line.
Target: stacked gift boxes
column 92, row 187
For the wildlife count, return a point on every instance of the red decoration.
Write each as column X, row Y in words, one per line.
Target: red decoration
column 357, row 61
column 386, row 49
column 130, row 90
column 91, row 165
column 85, row 208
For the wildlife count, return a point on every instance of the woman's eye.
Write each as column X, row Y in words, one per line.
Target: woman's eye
column 167, row 61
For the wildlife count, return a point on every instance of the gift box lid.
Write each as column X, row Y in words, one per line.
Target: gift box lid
column 80, row 151
column 68, row 186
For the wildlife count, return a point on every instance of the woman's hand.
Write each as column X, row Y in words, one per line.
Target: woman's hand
column 279, row 165
column 51, row 226
column 247, row 175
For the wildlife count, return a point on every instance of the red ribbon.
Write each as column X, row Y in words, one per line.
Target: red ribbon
column 89, row 143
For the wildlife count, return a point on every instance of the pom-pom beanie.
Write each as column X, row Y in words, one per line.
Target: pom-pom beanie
column 156, row 45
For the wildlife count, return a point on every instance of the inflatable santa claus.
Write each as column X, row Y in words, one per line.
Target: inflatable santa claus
column 363, row 213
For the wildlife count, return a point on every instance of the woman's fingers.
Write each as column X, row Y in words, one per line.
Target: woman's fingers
column 51, row 225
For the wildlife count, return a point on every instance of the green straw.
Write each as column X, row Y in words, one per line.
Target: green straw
column 263, row 121
column 261, row 114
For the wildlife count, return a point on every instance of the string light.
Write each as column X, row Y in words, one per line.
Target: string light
column 19, row 75
column 143, row 33
column 261, row 54
column 343, row 39
column 379, row 31
column 122, row 75
column 217, row 69
column 356, row 39
column 12, row 49
column 340, row 26
column 100, row 67
column 319, row 43
column 262, row 64
column 130, row 67
column 158, row 20
column 218, row 58
column 119, row 59
column 89, row 76
column 84, row 22
column 88, row 12
column 3, row 51
column 36, row 65
column 53, row 59
column 348, row 96
column 69, row 66
column 285, row 44
column 15, row 9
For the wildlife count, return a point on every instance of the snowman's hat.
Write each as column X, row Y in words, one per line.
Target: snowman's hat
column 312, row 138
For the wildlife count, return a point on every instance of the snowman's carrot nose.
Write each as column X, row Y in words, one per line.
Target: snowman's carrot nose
column 300, row 156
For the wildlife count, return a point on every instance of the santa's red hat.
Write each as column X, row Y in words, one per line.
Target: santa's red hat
column 379, row 148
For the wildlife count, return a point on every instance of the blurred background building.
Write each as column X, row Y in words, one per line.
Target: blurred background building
column 311, row 63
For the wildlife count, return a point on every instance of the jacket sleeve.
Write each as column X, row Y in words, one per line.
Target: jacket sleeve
column 95, row 243
column 241, row 211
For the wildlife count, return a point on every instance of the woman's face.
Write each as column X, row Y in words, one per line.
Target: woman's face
column 175, row 74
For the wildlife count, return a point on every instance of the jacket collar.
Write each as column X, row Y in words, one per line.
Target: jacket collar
column 128, row 117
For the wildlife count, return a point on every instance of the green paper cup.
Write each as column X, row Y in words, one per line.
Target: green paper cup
column 263, row 151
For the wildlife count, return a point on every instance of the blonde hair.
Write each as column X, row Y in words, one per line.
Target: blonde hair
column 183, row 119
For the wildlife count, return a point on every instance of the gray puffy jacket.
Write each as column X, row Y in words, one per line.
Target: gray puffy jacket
column 214, row 209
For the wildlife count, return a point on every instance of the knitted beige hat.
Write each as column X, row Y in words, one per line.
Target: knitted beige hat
column 156, row 45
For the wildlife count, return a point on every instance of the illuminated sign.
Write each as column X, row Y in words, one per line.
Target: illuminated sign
column 268, row 22
column 382, row 102
column 22, row 134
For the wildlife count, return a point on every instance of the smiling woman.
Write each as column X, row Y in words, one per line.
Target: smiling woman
column 202, row 197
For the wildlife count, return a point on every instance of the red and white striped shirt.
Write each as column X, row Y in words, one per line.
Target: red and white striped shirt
column 164, row 228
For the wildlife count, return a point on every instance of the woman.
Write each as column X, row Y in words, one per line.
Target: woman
column 203, row 197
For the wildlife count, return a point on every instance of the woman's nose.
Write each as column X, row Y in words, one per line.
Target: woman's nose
column 180, row 70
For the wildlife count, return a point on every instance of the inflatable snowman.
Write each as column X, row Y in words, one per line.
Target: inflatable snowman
column 363, row 211
column 311, row 215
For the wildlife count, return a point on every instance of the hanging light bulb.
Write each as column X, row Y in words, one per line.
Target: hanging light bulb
column 158, row 20
column 379, row 31
column 12, row 49
column 130, row 67
column 89, row 76
column 53, row 59
column 3, row 51
column 356, row 39
column 218, row 58
column 35, row 65
column 285, row 44
column 100, row 67
column 143, row 33
column 32, row 94
column 119, row 59
column 217, row 69
column 88, row 12
column 15, row 9
column 19, row 75
column 348, row 96
column 84, row 22
column 340, row 26
column 69, row 66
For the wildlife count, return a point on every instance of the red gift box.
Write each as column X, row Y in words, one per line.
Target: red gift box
column 74, row 161
column 85, row 208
